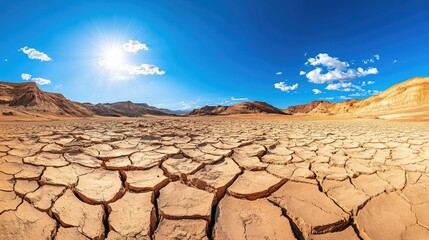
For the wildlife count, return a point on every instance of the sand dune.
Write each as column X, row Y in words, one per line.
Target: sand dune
column 405, row 97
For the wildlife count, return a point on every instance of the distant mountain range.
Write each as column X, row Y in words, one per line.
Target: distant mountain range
column 255, row 107
column 128, row 109
column 27, row 98
column 410, row 97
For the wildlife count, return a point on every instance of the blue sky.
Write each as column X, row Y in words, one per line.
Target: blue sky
column 184, row 54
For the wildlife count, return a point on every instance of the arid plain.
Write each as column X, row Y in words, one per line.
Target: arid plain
column 214, row 178
column 214, row 120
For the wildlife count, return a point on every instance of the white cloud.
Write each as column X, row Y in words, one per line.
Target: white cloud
column 367, row 83
column 302, row 73
column 330, row 62
column 34, row 54
column 38, row 80
column 373, row 92
column 185, row 105
column 375, row 57
column 358, row 94
column 134, row 46
column 394, row 61
column 316, row 91
column 41, row 81
column 344, row 98
column 343, row 86
column 366, row 61
column 338, row 86
column 336, row 70
column 143, row 69
column 126, row 71
column 189, row 105
column 25, row 76
column 5, row 60
column 239, row 99
column 279, row 73
column 285, row 88
column 327, row 98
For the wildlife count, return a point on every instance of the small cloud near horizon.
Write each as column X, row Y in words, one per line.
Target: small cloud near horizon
column 38, row 80
column 41, row 81
column 239, row 99
column 279, row 73
column 343, row 87
column 316, row 91
column 25, row 76
column 32, row 53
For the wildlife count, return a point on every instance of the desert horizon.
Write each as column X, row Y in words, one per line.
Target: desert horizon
column 405, row 101
column 214, row 120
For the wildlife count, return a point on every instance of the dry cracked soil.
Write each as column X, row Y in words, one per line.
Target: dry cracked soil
column 214, row 178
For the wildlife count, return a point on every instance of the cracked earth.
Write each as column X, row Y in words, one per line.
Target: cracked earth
column 214, row 178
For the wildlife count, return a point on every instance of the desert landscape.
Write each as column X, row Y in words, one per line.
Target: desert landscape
column 214, row 120
column 247, row 171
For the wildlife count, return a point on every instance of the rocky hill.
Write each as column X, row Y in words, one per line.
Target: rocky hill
column 208, row 110
column 303, row 108
column 255, row 107
column 28, row 97
column 408, row 94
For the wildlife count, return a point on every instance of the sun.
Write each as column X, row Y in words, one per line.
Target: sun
column 112, row 57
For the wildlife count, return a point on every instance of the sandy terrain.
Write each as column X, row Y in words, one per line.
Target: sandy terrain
column 214, row 178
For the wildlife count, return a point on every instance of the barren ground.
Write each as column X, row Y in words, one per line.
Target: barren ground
column 214, row 178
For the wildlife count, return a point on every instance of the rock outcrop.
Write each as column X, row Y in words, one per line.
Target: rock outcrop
column 27, row 96
column 304, row 108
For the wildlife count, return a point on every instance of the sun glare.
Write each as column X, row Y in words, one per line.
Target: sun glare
column 112, row 57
